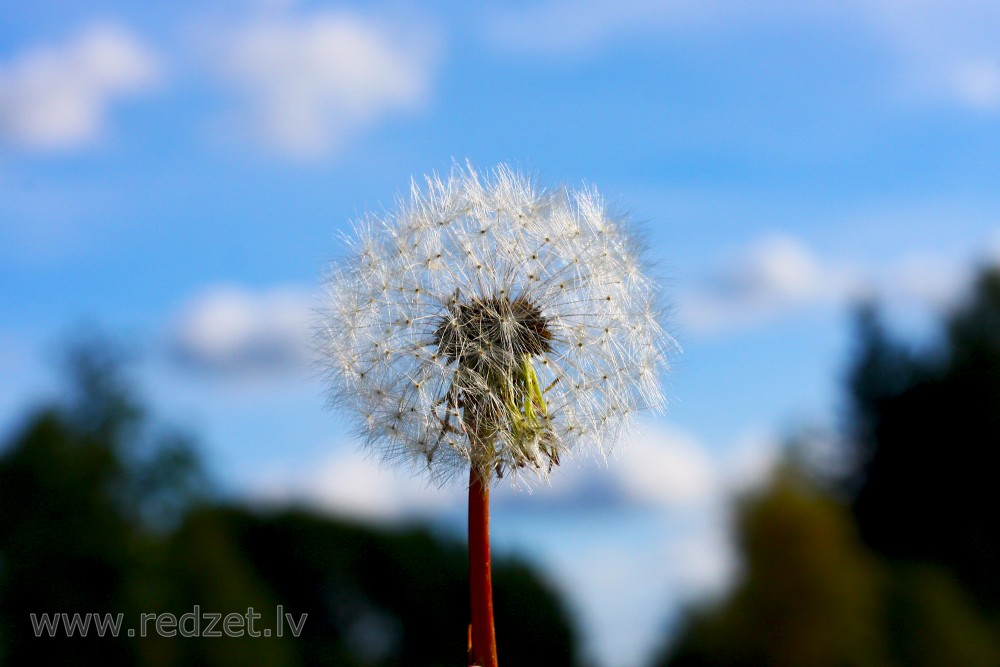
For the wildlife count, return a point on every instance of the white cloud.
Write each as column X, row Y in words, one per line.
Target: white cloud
column 923, row 279
column 655, row 467
column 233, row 331
column 58, row 97
column 773, row 277
column 664, row 467
column 779, row 277
column 307, row 85
column 349, row 483
column 977, row 84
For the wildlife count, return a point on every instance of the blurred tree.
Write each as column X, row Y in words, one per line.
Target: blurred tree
column 934, row 623
column 84, row 485
column 809, row 594
column 905, row 571
column 102, row 512
column 395, row 597
column 925, row 427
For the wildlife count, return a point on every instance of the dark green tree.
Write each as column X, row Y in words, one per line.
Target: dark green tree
column 87, row 488
column 394, row 596
column 926, row 427
column 809, row 596
column 902, row 569
column 101, row 511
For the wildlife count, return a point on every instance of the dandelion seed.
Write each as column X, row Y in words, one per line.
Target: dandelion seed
column 519, row 328
column 553, row 297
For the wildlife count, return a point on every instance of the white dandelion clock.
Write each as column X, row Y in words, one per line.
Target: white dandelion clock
column 491, row 327
column 489, row 323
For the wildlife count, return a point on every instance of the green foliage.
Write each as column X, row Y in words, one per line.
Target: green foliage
column 77, row 484
column 102, row 512
column 935, row 622
column 926, row 430
column 395, row 597
column 906, row 572
column 809, row 596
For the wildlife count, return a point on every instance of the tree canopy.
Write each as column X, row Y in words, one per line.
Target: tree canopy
column 895, row 563
column 103, row 511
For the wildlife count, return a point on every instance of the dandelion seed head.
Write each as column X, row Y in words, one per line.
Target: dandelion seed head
column 487, row 322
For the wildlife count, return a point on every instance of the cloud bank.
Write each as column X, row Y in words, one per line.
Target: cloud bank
column 774, row 277
column 779, row 277
column 661, row 468
column 230, row 331
column 61, row 96
column 305, row 86
column 233, row 332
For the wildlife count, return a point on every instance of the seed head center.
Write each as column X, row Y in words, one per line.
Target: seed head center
column 492, row 333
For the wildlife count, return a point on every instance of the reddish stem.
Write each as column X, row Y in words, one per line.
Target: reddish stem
column 484, row 644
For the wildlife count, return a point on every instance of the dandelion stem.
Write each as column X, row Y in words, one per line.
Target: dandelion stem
column 484, row 646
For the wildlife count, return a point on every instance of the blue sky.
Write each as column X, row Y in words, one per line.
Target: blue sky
column 178, row 172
